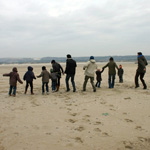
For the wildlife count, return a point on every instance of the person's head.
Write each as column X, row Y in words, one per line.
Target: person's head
column 139, row 53
column 111, row 59
column 30, row 68
column 91, row 57
column 98, row 70
column 14, row 69
column 51, row 70
column 53, row 61
column 43, row 68
column 68, row 56
column 120, row 66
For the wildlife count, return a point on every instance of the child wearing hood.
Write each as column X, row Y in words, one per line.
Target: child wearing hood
column 90, row 68
column 29, row 76
column 14, row 77
column 98, row 77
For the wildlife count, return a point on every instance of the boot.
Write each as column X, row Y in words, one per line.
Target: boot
column 57, row 88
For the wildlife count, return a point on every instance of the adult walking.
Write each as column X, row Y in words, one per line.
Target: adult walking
column 70, row 72
column 141, row 70
column 57, row 68
column 90, row 69
column 111, row 72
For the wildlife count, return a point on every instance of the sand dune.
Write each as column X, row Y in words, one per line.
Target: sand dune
column 110, row 119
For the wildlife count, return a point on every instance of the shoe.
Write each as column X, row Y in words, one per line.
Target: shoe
column 94, row 90
column 47, row 93
column 83, row 90
column 145, row 88
column 74, row 90
column 13, row 95
column 53, row 91
column 68, row 90
column 32, row 93
column 137, row 86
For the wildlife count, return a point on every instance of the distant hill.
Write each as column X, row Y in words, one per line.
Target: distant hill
column 131, row 58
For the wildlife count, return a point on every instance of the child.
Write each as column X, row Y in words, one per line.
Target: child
column 45, row 79
column 14, row 77
column 54, row 77
column 29, row 76
column 120, row 74
column 99, row 77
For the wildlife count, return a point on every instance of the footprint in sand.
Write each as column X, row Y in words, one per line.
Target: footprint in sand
column 86, row 118
column 78, row 140
column 128, row 145
column 139, row 128
column 74, row 114
column 80, row 128
column 72, row 120
column 97, row 123
column 105, row 134
column 142, row 139
column 97, row 130
column 128, row 120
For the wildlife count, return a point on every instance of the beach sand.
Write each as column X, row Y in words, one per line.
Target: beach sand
column 108, row 119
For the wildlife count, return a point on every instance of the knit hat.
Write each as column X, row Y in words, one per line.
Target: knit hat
column 92, row 57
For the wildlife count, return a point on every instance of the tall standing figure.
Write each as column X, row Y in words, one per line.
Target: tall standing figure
column 111, row 72
column 57, row 68
column 141, row 70
column 90, row 68
column 70, row 72
column 29, row 76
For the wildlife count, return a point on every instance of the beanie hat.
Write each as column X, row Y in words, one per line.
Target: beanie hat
column 92, row 57
column 68, row 56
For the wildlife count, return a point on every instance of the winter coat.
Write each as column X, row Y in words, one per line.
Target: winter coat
column 57, row 68
column 14, row 77
column 90, row 68
column 99, row 75
column 45, row 76
column 70, row 66
column 29, row 75
column 111, row 66
column 142, row 63
column 120, row 72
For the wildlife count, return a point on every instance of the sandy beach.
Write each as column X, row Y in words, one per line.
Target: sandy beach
column 108, row 119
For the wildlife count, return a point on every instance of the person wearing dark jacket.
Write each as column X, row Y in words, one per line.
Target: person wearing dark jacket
column 70, row 72
column 29, row 76
column 111, row 72
column 45, row 79
column 57, row 68
column 14, row 77
column 141, row 70
column 98, row 77
column 120, row 74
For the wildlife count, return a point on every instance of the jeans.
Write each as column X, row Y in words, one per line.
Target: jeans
column 141, row 78
column 54, row 83
column 68, row 76
column 111, row 81
column 98, row 84
column 14, row 90
column 47, row 89
column 86, row 80
column 121, row 79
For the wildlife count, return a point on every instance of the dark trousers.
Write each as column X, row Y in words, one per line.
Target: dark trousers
column 27, row 85
column 98, row 84
column 68, row 76
column 86, row 80
column 121, row 79
column 141, row 78
column 45, row 84
column 111, row 81
column 54, row 83
column 14, row 90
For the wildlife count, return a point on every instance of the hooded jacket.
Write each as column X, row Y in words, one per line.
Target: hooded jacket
column 111, row 66
column 29, row 75
column 14, row 77
column 90, row 68
column 142, row 63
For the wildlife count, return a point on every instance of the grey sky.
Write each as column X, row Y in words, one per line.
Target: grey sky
column 42, row 28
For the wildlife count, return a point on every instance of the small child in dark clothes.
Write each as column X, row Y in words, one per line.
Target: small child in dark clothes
column 29, row 76
column 14, row 77
column 98, row 77
column 54, row 76
column 120, row 74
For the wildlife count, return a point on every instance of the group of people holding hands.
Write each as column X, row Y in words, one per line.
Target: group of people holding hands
column 90, row 68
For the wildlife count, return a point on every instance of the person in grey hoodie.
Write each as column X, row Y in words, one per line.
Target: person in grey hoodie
column 141, row 70
column 90, row 69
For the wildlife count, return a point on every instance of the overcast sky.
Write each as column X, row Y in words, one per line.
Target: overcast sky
column 43, row 28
